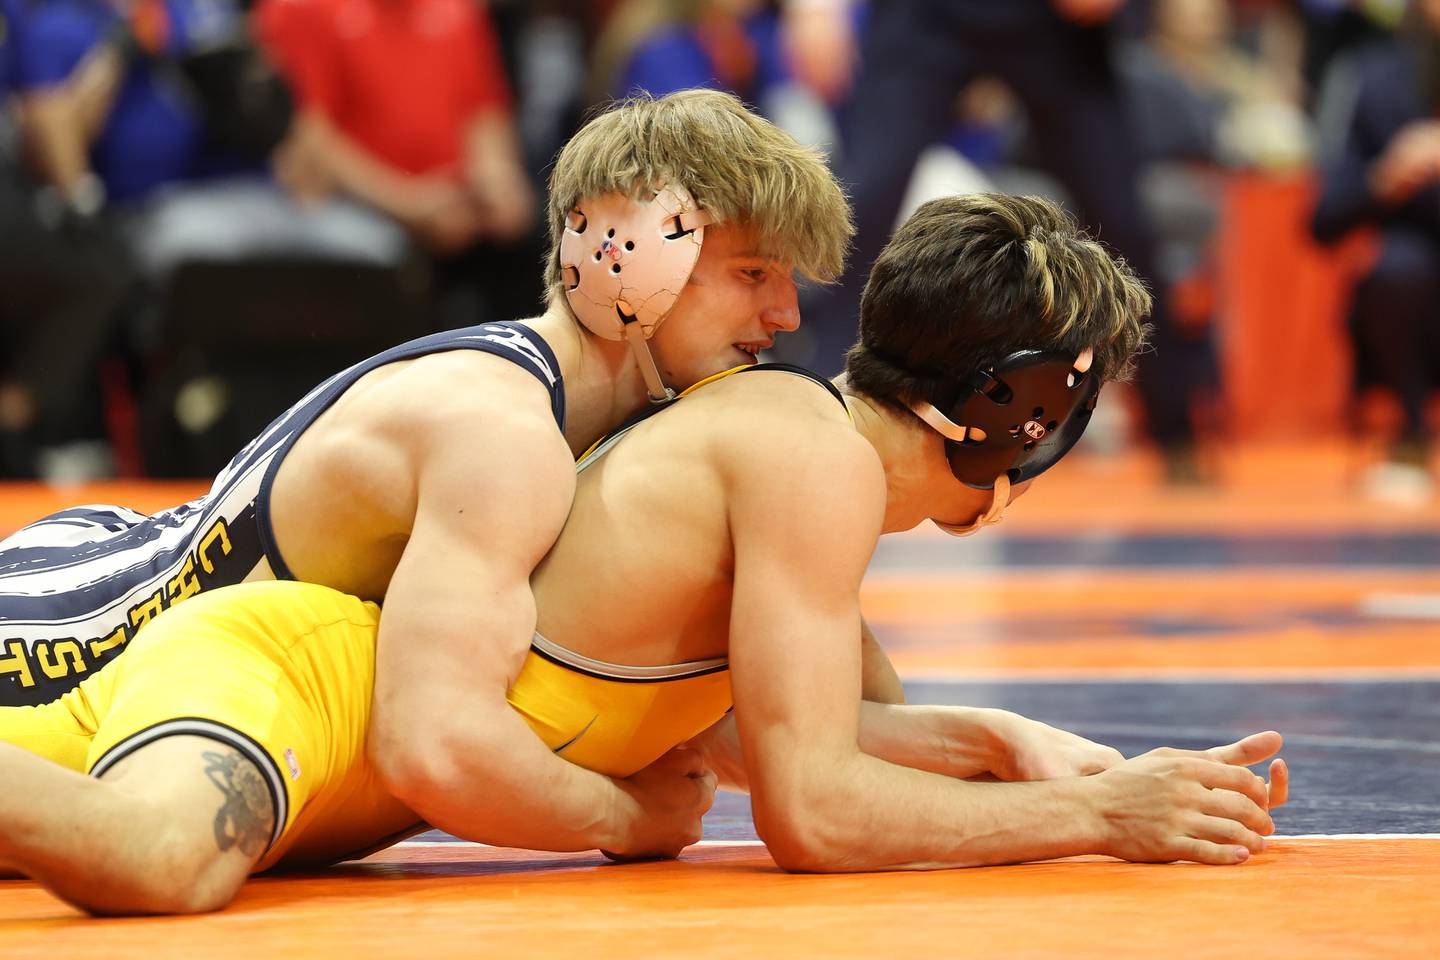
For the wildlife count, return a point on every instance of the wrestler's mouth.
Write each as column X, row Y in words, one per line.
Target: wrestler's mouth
column 754, row 348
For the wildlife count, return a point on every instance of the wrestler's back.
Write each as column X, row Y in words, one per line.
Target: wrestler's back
column 642, row 573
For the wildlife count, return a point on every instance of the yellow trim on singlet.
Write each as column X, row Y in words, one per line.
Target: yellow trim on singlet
column 281, row 673
column 683, row 393
column 696, row 386
column 616, row 719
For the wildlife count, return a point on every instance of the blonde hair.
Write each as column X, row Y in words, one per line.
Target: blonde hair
column 738, row 166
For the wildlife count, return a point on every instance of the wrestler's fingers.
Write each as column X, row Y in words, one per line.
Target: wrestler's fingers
column 1252, row 749
column 1241, row 810
column 1222, row 776
column 1223, row 831
column 1204, row 851
column 1279, row 783
column 1249, row 750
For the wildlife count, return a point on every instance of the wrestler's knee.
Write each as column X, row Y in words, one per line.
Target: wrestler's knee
column 174, row 874
column 208, row 818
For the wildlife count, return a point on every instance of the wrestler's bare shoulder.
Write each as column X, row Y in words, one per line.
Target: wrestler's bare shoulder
column 433, row 391
column 351, row 486
column 747, row 413
column 454, row 402
column 794, row 469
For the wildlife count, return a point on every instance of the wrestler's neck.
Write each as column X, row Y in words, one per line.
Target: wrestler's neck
column 603, row 385
column 918, row 482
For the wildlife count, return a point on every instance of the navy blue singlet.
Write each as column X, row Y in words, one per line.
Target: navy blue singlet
column 77, row 585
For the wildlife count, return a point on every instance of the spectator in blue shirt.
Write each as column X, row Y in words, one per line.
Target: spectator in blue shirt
column 61, row 289
column 7, row 65
column 106, row 89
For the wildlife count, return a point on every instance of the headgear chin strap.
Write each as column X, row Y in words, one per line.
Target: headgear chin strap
column 625, row 262
column 998, row 502
column 1013, row 422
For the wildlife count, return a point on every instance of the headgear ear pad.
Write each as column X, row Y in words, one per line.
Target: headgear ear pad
column 626, row 260
column 1030, row 409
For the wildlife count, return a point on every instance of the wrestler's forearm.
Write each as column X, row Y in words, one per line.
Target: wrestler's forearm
column 876, row 815
column 489, row 779
column 38, row 804
column 957, row 742
column 720, row 745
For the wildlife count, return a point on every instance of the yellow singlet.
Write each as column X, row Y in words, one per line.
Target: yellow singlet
column 283, row 672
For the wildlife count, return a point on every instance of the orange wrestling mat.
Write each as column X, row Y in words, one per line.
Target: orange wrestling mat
column 1301, row 898
column 1085, row 623
column 1099, row 574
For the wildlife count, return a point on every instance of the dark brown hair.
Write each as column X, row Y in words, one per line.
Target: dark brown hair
column 968, row 280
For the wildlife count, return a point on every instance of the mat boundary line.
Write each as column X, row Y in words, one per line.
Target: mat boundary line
column 1190, row 675
column 464, row 844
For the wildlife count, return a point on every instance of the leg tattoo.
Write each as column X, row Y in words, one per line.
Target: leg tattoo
column 247, row 817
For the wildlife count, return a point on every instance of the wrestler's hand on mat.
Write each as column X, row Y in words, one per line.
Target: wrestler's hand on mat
column 1279, row 783
column 1032, row 750
column 1200, row 805
column 672, row 795
column 1249, row 751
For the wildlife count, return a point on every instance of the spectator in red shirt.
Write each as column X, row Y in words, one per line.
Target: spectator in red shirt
column 403, row 104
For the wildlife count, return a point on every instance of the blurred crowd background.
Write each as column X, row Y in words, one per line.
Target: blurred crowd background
column 206, row 206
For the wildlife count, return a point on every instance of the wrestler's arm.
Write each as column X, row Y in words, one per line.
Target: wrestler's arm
column 492, row 494
column 879, row 683
column 960, row 741
column 821, row 803
column 954, row 741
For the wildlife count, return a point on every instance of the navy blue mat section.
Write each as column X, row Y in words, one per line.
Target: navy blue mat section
column 1167, row 550
column 1364, row 756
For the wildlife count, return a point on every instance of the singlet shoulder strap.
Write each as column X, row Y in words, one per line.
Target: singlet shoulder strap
column 598, row 448
column 799, row 372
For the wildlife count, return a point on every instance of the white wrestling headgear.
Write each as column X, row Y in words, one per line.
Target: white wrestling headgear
column 625, row 262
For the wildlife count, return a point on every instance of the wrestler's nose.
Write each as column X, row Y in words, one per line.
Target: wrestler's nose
column 783, row 312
